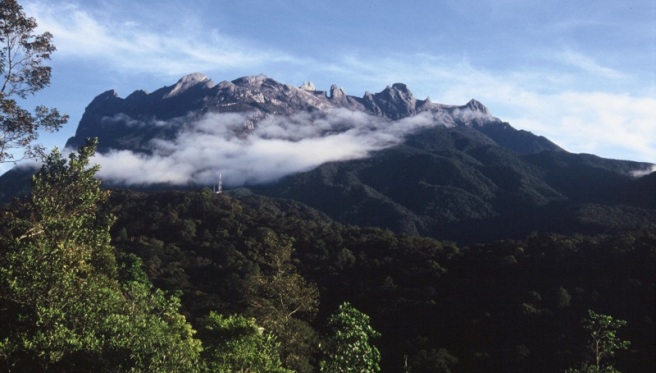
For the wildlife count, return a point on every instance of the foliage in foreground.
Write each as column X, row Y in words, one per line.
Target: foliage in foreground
column 70, row 302
column 348, row 347
column 282, row 300
column 238, row 344
column 62, row 303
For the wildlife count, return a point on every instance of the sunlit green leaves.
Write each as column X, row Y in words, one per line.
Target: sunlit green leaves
column 238, row 344
column 67, row 306
column 349, row 348
column 603, row 342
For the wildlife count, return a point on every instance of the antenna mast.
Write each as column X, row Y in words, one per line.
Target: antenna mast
column 220, row 189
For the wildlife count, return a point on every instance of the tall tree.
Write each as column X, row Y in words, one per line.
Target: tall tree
column 22, row 74
column 349, row 348
column 283, row 301
column 602, row 343
column 63, row 305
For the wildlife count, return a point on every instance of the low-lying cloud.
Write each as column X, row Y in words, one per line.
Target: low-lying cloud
column 643, row 172
column 245, row 152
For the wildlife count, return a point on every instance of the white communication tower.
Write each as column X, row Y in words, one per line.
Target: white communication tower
column 218, row 188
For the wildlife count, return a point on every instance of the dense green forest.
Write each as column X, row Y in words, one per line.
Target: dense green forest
column 502, row 306
column 191, row 273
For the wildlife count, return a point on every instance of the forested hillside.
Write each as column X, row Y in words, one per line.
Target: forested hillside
column 510, row 305
column 455, row 184
column 186, row 272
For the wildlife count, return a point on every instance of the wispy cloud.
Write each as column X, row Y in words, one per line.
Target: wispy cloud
column 133, row 47
column 644, row 172
column 588, row 64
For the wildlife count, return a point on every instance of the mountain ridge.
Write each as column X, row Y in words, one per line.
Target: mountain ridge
column 264, row 96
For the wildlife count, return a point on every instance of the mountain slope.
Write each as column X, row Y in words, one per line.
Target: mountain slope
column 451, row 184
column 409, row 165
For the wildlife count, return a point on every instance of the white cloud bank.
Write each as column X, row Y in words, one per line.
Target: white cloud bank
column 277, row 146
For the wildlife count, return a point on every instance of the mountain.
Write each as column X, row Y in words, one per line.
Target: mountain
column 492, row 195
column 132, row 122
column 400, row 163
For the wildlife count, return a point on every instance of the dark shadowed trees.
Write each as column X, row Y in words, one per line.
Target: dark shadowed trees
column 283, row 301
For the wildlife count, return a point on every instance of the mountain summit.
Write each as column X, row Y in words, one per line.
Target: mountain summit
column 195, row 80
column 112, row 118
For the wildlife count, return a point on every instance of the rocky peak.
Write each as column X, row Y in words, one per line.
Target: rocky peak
column 400, row 87
column 369, row 103
column 251, row 81
column 308, row 86
column 102, row 100
column 397, row 101
column 136, row 95
column 337, row 93
column 106, row 95
column 475, row 105
column 426, row 104
column 189, row 81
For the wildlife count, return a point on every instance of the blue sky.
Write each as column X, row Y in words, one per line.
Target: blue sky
column 578, row 72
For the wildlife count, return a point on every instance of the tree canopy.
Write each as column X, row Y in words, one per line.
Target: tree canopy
column 62, row 303
column 348, row 347
column 237, row 344
column 602, row 344
column 23, row 72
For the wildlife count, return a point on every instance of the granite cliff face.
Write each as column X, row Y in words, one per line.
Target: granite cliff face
column 131, row 122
